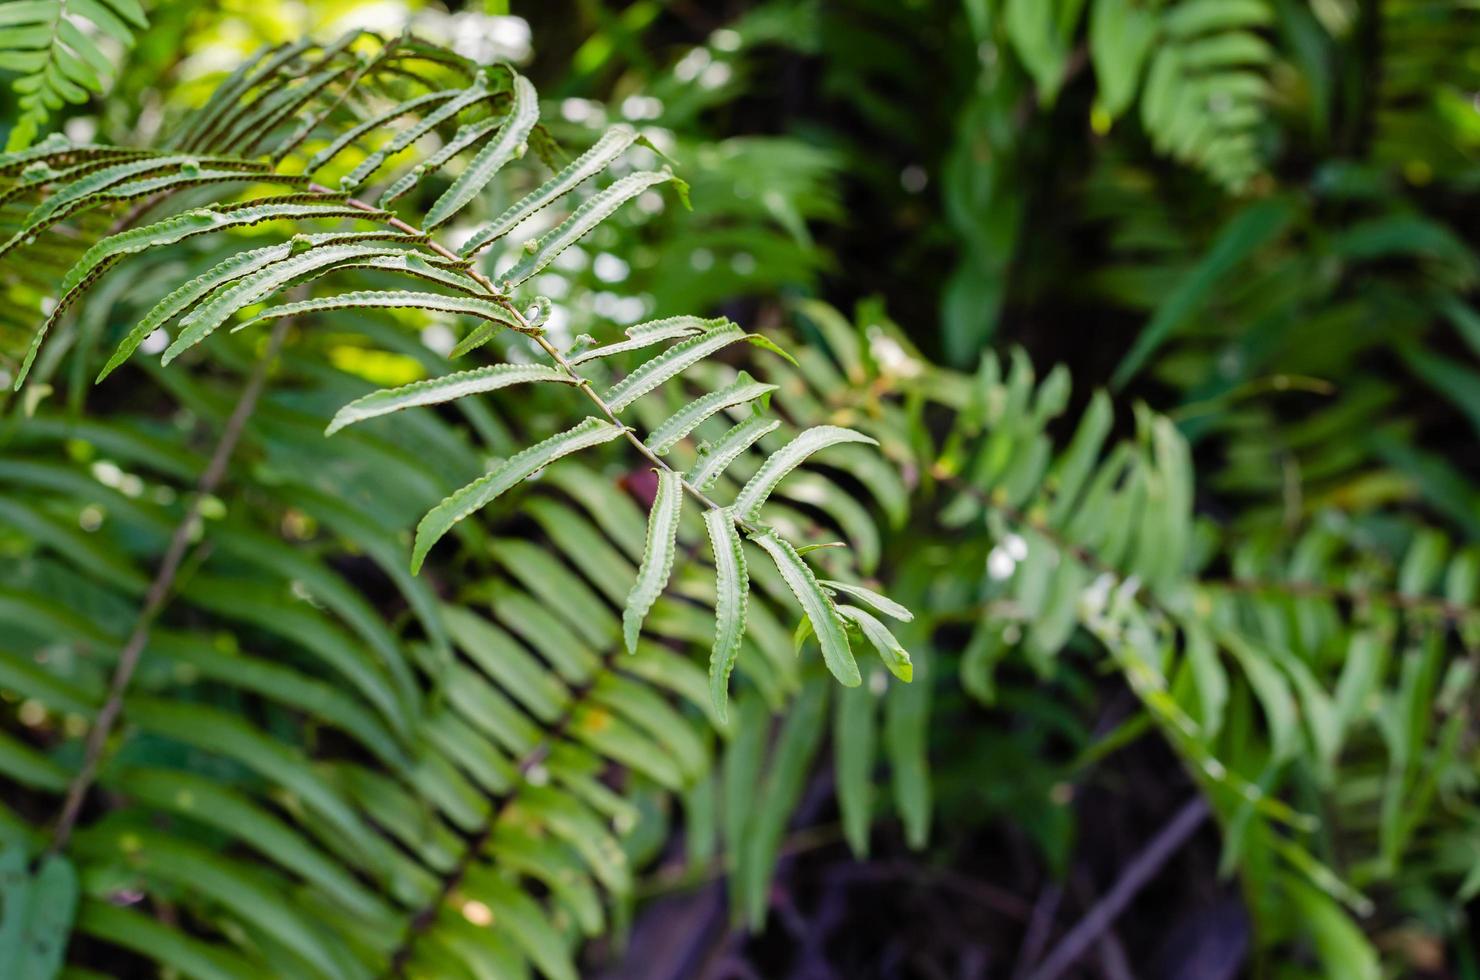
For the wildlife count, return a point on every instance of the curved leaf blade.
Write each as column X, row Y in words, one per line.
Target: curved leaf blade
column 657, row 556
column 818, row 608
column 732, row 593
column 436, row 391
column 748, row 502
column 441, row 518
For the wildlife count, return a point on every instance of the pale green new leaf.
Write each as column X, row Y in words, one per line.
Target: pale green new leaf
column 753, row 495
column 436, row 391
column 815, row 604
column 731, row 596
column 611, row 145
column 657, row 555
column 441, row 518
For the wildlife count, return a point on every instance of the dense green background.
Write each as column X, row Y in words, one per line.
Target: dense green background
column 1251, row 216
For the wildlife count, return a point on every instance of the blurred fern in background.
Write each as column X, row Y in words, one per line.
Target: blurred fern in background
column 1173, row 663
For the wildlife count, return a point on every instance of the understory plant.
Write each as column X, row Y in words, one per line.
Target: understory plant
column 396, row 630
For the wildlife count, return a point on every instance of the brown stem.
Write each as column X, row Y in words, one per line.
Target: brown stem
column 159, row 592
column 1137, row 874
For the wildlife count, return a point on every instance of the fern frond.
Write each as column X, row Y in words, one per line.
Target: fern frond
column 55, row 59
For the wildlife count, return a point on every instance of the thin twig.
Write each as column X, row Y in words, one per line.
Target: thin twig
column 1143, row 867
column 159, row 592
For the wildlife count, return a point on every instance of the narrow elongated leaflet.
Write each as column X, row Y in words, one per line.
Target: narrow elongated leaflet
column 388, row 299
column 436, row 391
column 815, row 604
column 657, row 555
column 483, row 333
column 48, row 152
column 440, row 519
column 884, row 604
column 204, row 320
column 691, row 416
column 890, row 651
column 652, row 373
column 506, row 144
column 475, row 93
column 611, row 145
column 731, row 597
column 120, row 179
column 199, row 221
column 182, row 297
column 653, row 332
column 229, row 270
column 423, row 266
column 715, row 458
column 466, row 136
column 586, row 217
column 39, row 906
column 343, row 140
column 748, row 502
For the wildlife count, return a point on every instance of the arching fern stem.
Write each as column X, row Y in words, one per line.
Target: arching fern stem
column 376, row 214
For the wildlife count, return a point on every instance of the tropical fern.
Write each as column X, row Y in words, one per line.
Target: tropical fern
column 465, row 739
column 53, row 47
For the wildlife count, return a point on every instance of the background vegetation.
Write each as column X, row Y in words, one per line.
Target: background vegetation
column 1194, row 636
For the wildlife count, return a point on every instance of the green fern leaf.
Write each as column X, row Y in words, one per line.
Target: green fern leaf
column 507, row 143
column 732, row 592
column 199, row 221
column 390, row 299
column 691, row 416
column 519, row 467
column 476, row 93
column 715, row 458
column 657, row 556
column 586, row 217
column 182, row 297
column 39, row 907
column 815, row 603
column 56, row 60
column 259, row 285
column 890, row 651
column 653, row 332
column 611, row 145
column 437, row 391
column 469, row 135
column 669, row 364
column 882, row 603
column 379, row 121
column 753, row 495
